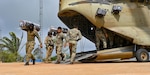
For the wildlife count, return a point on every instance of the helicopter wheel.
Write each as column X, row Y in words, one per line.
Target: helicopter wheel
column 142, row 55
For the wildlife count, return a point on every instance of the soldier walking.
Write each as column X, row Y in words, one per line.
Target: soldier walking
column 73, row 36
column 100, row 37
column 31, row 34
column 49, row 47
column 59, row 44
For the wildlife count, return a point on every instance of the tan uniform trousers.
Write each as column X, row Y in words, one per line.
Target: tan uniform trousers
column 29, row 49
column 72, row 47
column 100, row 37
column 49, row 51
column 59, row 52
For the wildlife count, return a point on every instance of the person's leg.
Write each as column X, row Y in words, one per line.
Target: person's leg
column 47, row 54
column 27, row 46
column 97, row 42
column 103, row 39
column 30, row 47
column 73, row 53
column 58, row 49
column 70, row 48
column 104, row 43
column 50, row 52
column 62, row 56
column 111, row 40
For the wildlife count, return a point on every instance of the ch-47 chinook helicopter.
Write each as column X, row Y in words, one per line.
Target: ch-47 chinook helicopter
column 126, row 21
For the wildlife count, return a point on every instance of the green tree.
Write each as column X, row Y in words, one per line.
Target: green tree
column 11, row 44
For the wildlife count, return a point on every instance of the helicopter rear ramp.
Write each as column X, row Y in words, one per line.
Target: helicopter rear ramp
column 107, row 54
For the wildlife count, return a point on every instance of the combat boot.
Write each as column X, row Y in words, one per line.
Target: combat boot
column 71, row 63
column 48, row 61
column 26, row 64
column 57, row 62
column 33, row 61
column 62, row 57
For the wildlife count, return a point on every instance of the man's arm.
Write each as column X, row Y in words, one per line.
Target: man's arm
column 67, row 36
column 80, row 35
column 66, row 39
column 38, row 37
column 46, row 41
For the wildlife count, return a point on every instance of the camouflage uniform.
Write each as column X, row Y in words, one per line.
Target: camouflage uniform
column 100, row 37
column 110, row 39
column 59, row 45
column 30, row 44
column 73, row 36
column 49, row 47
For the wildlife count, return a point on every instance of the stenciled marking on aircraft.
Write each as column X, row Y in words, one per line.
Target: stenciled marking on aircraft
column 92, row 1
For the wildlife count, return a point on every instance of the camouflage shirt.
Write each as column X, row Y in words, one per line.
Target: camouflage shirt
column 59, row 38
column 32, row 34
column 48, row 41
column 74, row 35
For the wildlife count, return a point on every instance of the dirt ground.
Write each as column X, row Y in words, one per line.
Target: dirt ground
column 105, row 68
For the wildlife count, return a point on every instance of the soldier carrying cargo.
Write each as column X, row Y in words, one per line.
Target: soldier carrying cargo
column 32, row 32
column 49, row 47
